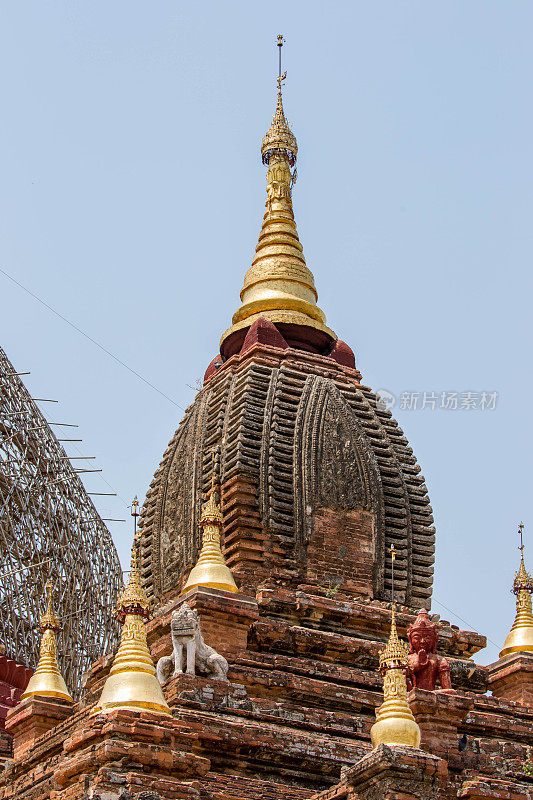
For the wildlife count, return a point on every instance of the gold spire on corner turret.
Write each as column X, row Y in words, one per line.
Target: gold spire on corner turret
column 278, row 285
column 396, row 653
column 395, row 723
column 211, row 569
column 132, row 683
column 47, row 680
column 520, row 637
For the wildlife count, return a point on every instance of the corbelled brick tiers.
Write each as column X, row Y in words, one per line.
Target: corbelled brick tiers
column 14, row 678
column 292, row 721
column 318, row 480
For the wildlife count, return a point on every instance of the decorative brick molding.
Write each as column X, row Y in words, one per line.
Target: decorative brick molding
column 487, row 789
column 14, row 678
column 439, row 716
column 512, row 678
column 33, row 717
column 156, row 751
column 296, row 710
column 391, row 773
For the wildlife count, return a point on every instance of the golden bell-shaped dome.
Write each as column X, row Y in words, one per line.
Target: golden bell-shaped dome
column 47, row 680
column 211, row 569
column 520, row 637
column 279, row 285
column 395, row 723
column 132, row 683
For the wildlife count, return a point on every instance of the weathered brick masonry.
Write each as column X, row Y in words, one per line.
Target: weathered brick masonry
column 317, row 480
column 14, row 678
column 297, row 710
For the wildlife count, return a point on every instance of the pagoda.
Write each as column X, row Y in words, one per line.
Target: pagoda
column 317, row 478
column 263, row 599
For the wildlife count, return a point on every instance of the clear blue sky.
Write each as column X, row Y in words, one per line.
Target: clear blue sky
column 131, row 199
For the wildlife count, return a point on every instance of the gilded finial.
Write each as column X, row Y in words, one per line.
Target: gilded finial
column 281, row 77
column 133, row 598
column 522, row 579
column 396, row 653
column 47, row 680
column 279, row 139
column 395, row 723
column 279, row 286
column 392, row 551
column 520, row 637
column 211, row 569
column 132, row 683
column 135, row 514
column 49, row 620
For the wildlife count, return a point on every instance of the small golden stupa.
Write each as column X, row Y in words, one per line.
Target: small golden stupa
column 132, row 683
column 395, row 723
column 279, row 285
column 211, row 569
column 47, row 680
column 520, row 637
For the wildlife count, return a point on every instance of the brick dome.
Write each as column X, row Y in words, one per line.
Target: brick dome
column 318, row 481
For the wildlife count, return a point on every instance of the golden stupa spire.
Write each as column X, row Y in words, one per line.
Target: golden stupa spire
column 520, row 637
column 278, row 285
column 395, row 723
column 47, row 680
column 211, row 569
column 132, row 683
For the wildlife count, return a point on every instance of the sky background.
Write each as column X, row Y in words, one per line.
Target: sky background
column 132, row 193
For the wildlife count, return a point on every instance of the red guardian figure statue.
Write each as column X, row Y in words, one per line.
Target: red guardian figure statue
column 426, row 668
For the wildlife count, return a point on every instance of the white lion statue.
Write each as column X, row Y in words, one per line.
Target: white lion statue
column 189, row 651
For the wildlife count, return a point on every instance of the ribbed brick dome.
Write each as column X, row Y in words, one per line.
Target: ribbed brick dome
column 318, row 481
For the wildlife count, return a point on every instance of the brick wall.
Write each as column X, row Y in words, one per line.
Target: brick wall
column 341, row 551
